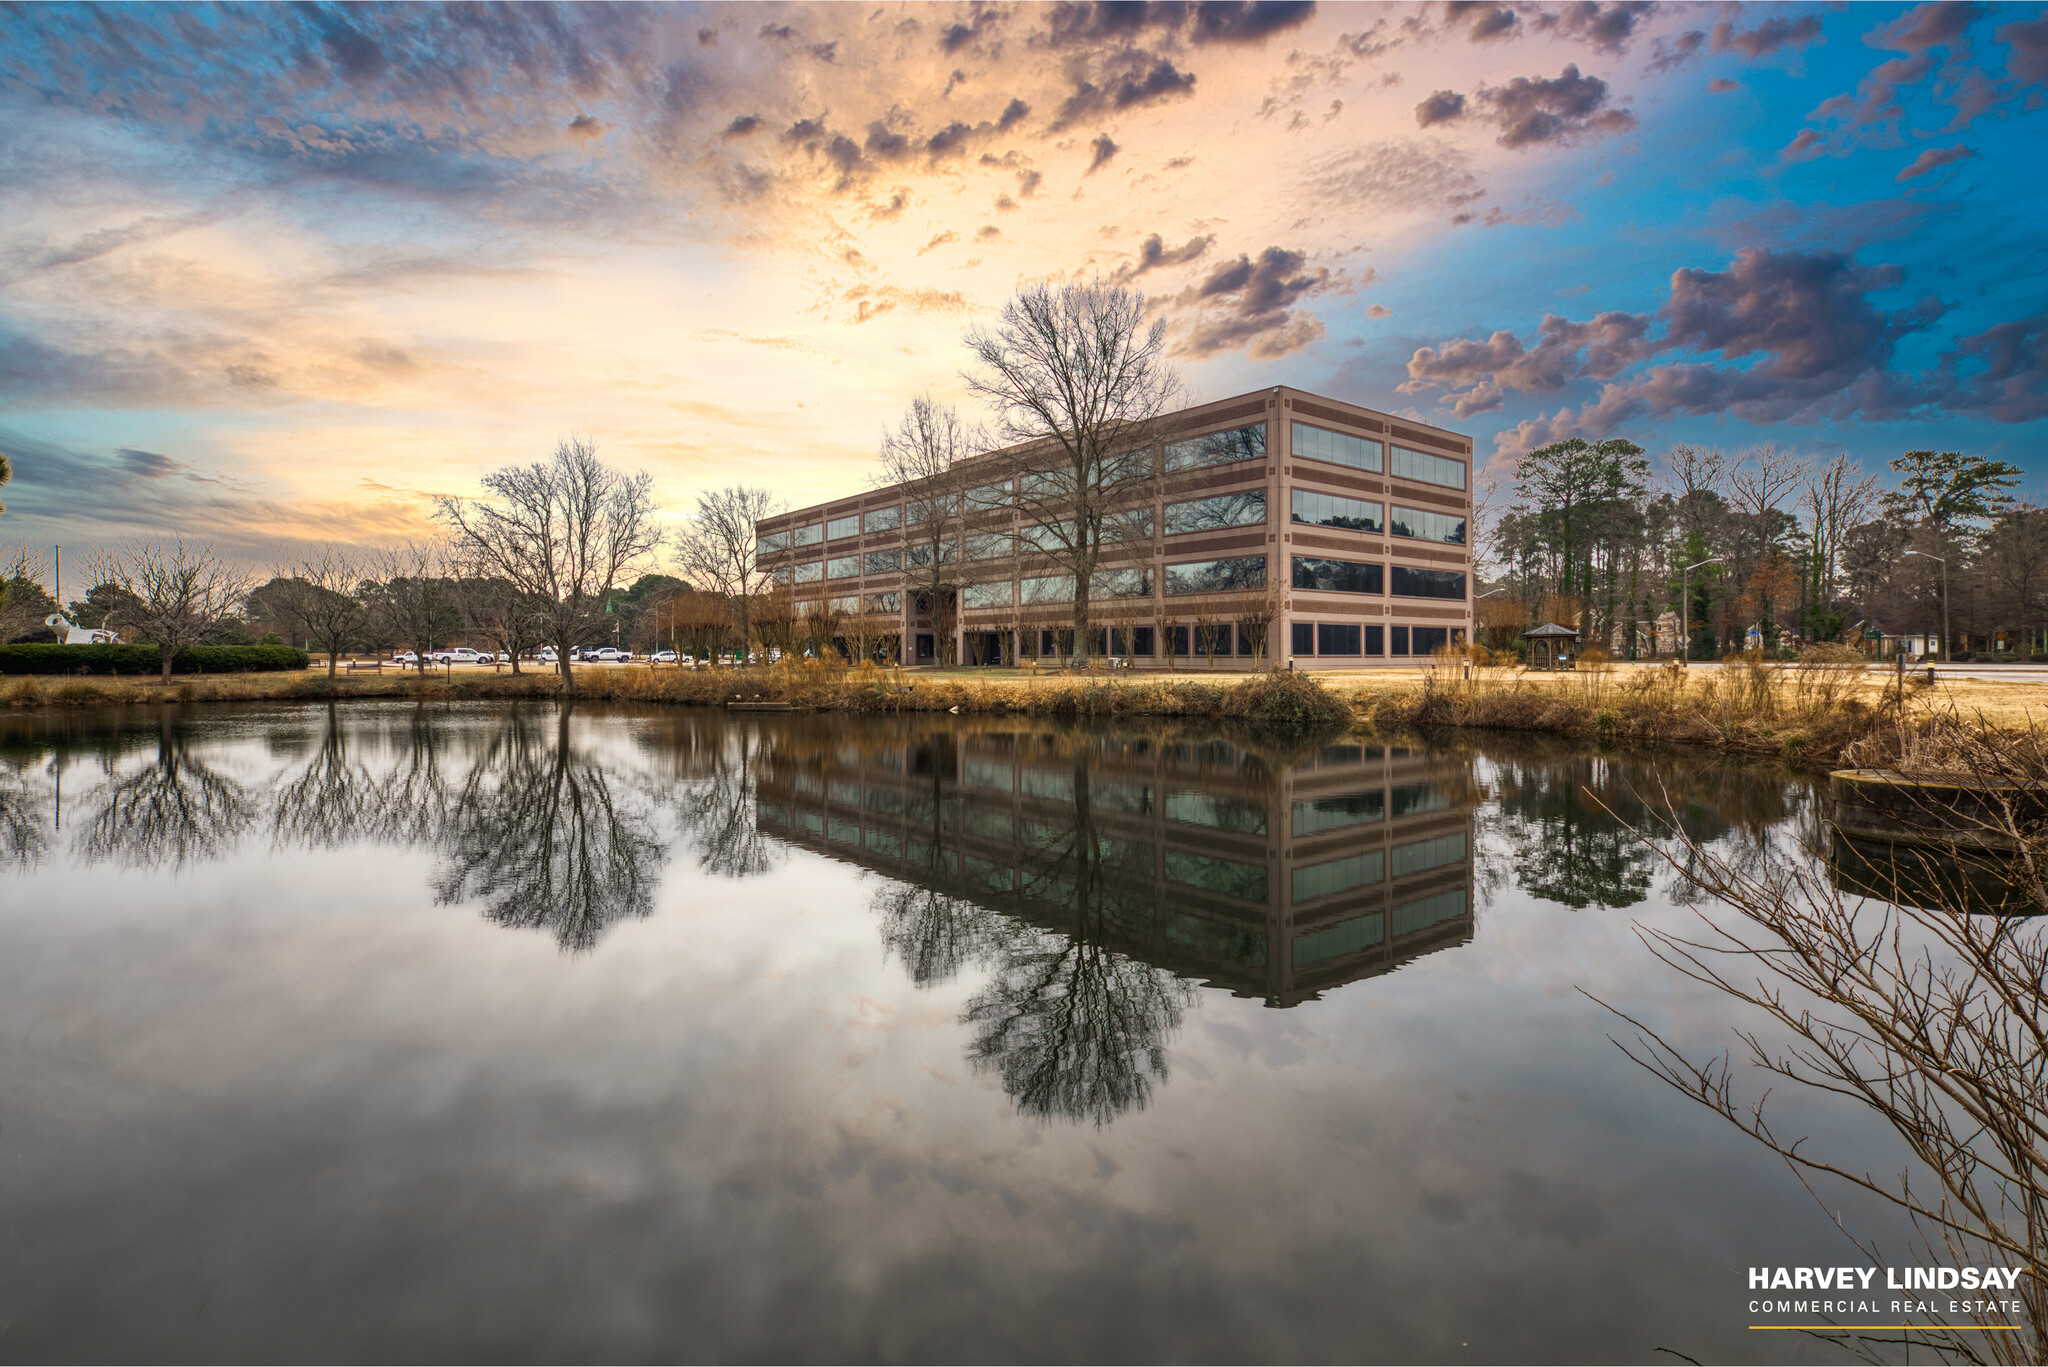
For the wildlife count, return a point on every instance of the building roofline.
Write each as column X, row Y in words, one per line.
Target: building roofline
column 1275, row 400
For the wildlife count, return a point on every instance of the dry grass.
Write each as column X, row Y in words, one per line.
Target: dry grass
column 1808, row 711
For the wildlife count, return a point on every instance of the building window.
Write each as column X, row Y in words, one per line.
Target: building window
column 1217, row 448
column 989, row 496
column 1244, row 509
column 920, row 556
column 1041, row 538
column 807, row 536
column 1410, row 582
column 809, row 571
column 1226, row 876
column 884, row 562
column 1431, row 639
column 1337, row 638
column 1337, row 576
column 1427, row 469
column 1217, row 576
column 1304, row 638
column 1410, row 917
column 1120, row 584
column 1339, row 875
column 986, row 595
column 842, row 526
column 1338, row 811
column 1354, row 936
column 1219, row 810
column 1437, row 853
column 1338, row 448
column 1328, row 510
column 771, row 544
column 1375, row 640
column 1413, row 799
column 885, row 602
column 1142, row 641
column 1212, row 638
column 781, row 574
column 883, row 519
column 844, row 606
column 843, row 567
column 989, row 546
column 1428, row 526
column 1400, row 641
column 1058, row 588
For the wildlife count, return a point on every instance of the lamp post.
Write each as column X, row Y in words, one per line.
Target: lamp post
column 1475, row 618
column 1944, row 599
column 1685, row 610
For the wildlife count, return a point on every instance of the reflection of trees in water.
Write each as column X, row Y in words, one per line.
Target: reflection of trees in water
column 333, row 799
column 715, row 807
column 24, row 825
column 1565, row 817
column 936, row 934
column 547, row 838
column 1075, row 1030
column 172, row 812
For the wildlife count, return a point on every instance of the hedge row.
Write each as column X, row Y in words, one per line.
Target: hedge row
column 146, row 659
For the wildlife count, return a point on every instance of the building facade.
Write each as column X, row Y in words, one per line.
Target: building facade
column 1272, row 527
column 1276, row 876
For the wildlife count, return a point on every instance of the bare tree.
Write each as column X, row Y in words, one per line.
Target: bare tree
column 563, row 531
column 1211, row 630
column 822, row 625
column 1912, row 1004
column 775, row 616
column 1835, row 498
column 1255, row 618
column 1079, row 384
column 413, row 601
column 177, row 593
column 719, row 549
column 321, row 600
column 921, row 456
column 1692, row 470
column 495, row 608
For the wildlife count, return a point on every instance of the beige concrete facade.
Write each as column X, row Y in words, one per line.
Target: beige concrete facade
column 1287, row 528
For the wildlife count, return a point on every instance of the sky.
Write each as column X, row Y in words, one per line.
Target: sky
column 272, row 276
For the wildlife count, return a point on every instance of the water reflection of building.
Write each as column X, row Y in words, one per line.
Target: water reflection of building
column 1275, row 881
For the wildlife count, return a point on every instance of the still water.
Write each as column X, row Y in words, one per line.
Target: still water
column 497, row 1032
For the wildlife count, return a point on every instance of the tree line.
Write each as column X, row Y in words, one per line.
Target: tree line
column 1763, row 549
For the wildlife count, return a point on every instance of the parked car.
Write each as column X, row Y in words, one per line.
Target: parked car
column 545, row 655
column 404, row 658
column 662, row 657
column 463, row 655
column 610, row 655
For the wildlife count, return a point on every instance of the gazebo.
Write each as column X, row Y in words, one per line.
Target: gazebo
column 1551, row 646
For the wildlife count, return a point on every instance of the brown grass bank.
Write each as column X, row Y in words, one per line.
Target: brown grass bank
column 1805, row 712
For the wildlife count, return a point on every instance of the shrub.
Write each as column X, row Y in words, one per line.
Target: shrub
column 145, row 659
column 1960, row 656
column 1278, row 697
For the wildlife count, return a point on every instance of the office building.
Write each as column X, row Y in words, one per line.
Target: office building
column 1277, row 527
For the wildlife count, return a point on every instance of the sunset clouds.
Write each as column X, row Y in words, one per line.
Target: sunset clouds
column 326, row 261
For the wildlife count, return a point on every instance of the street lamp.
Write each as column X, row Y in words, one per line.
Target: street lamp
column 1685, row 611
column 1944, row 599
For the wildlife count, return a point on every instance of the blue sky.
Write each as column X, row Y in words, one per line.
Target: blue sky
column 273, row 276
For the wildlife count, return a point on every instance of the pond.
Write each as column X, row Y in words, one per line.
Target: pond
column 392, row 1031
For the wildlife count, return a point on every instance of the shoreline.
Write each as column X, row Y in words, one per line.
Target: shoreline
column 1801, row 714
